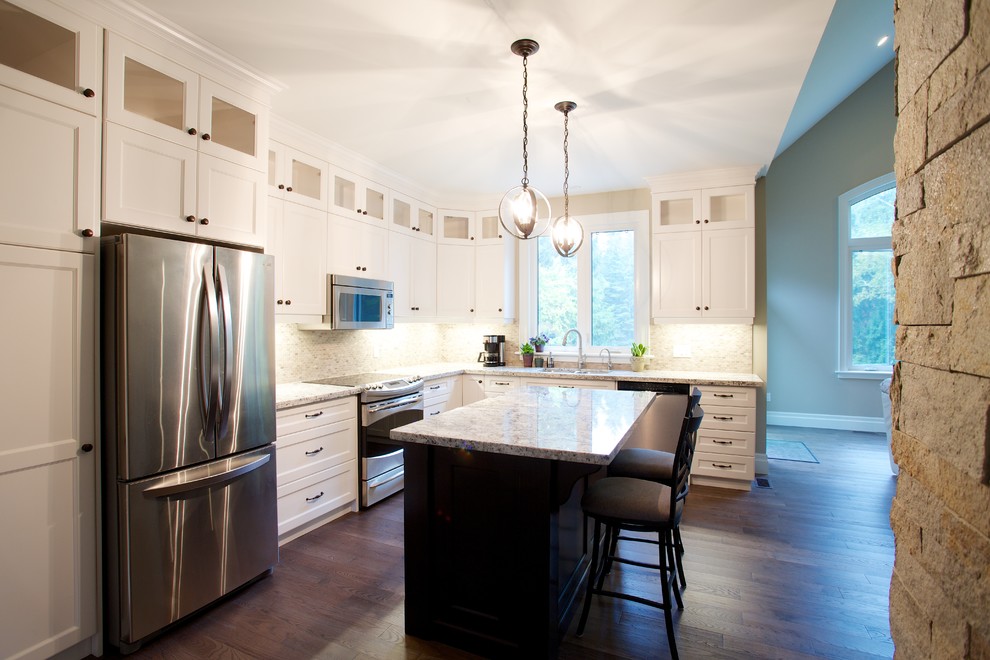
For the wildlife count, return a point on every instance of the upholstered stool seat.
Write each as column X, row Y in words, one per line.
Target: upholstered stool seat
column 649, row 464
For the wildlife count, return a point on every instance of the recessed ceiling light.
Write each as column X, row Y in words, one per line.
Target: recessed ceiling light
column 882, row 41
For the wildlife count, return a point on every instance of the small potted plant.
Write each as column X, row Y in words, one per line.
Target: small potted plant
column 539, row 341
column 527, row 354
column 638, row 360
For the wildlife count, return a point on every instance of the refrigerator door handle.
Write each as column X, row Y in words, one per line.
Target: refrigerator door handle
column 228, row 350
column 213, row 393
column 196, row 482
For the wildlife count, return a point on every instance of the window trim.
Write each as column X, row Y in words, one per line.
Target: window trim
column 846, row 247
column 639, row 223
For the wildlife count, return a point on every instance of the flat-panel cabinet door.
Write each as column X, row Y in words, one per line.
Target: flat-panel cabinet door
column 424, row 277
column 151, row 93
column 729, row 273
column 455, row 281
column 48, row 175
column 302, row 260
column 52, row 53
column 231, row 202
column 490, row 279
column 149, row 182
column 47, row 456
column 677, row 282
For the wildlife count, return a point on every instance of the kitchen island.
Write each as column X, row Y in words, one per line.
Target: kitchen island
column 496, row 544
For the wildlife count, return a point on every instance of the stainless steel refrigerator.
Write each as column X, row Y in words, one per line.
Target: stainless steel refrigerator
column 188, row 426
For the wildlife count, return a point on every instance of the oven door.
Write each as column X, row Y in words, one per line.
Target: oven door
column 382, row 469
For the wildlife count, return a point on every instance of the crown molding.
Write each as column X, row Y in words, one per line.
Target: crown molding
column 744, row 175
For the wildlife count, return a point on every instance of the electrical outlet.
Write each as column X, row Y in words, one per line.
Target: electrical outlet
column 682, row 350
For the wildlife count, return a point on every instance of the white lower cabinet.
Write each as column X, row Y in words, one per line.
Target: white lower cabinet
column 725, row 453
column 316, row 457
column 48, row 454
column 472, row 388
column 496, row 385
column 441, row 395
column 570, row 383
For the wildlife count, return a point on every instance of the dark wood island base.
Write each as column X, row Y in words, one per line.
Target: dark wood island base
column 496, row 549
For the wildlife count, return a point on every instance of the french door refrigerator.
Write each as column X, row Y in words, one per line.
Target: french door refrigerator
column 188, row 426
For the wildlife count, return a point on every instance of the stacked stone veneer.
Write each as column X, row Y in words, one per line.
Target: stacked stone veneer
column 940, row 589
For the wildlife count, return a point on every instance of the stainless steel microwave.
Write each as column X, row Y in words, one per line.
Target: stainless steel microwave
column 359, row 303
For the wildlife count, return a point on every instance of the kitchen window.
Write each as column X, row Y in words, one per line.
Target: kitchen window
column 866, row 281
column 603, row 291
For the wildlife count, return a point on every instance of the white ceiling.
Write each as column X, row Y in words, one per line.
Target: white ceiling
column 430, row 90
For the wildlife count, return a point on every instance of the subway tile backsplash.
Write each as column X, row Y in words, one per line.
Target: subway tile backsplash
column 310, row 354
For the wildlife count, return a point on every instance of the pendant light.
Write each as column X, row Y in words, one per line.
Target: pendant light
column 524, row 211
column 566, row 232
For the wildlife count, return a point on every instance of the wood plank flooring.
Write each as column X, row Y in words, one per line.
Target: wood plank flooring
column 797, row 570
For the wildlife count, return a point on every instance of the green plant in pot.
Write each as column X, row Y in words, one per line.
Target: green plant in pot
column 639, row 359
column 527, row 354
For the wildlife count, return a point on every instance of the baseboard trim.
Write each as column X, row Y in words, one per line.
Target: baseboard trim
column 836, row 422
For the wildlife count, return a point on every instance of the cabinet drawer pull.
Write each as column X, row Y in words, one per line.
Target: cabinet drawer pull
column 313, row 499
column 314, row 452
column 722, row 419
column 722, row 396
column 314, row 415
column 434, row 387
column 502, row 382
column 435, row 412
column 722, row 466
column 564, row 387
column 722, row 442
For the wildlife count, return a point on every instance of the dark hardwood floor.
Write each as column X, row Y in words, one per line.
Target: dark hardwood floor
column 797, row 570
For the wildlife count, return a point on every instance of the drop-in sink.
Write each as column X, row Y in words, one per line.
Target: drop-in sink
column 555, row 370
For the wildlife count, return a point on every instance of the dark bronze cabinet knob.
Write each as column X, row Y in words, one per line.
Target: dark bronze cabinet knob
column 358, row 268
column 206, row 136
column 87, row 448
column 288, row 302
column 364, row 268
column 472, row 310
column 706, row 308
column 697, row 222
column 190, row 218
column 500, row 309
column 192, row 131
column 204, row 221
column 281, row 186
column 278, row 302
column 87, row 233
column 88, row 93
column 697, row 309
column 472, row 238
column 289, row 188
column 500, row 235
column 706, row 221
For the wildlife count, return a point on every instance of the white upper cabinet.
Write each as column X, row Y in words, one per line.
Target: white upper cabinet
column 358, row 198
column 456, row 282
column 729, row 207
column 412, row 216
column 52, row 53
column 49, row 176
column 157, row 96
column 495, row 282
column 297, row 177
column 413, row 271
column 488, row 229
column 457, row 227
column 357, row 248
column 298, row 239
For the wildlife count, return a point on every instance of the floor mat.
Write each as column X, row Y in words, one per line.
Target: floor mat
column 790, row 450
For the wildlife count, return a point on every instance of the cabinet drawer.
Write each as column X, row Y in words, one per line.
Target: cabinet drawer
column 435, row 409
column 712, row 395
column 729, row 419
column 436, row 390
column 309, row 416
column 570, row 382
column 312, row 450
column 723, row 466
column 739, row 443
column 310, row 497
column 500, row 384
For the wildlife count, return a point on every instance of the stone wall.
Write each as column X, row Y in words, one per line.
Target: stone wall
column 940, row 589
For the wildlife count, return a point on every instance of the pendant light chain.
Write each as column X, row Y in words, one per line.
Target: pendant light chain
column 525, row 177
column 567, row 170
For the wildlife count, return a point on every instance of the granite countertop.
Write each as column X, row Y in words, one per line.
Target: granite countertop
column 576, row 425
column 288, row 395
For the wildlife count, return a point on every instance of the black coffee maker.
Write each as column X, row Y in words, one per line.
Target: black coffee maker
column 494, row 353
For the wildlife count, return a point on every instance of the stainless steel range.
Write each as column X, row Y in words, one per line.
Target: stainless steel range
column 386, row 402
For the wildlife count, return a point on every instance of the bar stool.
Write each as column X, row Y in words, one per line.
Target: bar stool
column 654, row 465
column 638, row 505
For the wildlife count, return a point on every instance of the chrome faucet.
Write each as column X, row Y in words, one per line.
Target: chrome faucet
column 608, row 365
column 563, row 342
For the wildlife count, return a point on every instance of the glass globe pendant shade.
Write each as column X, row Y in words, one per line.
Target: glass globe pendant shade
column 524, row 212
column 567, row 235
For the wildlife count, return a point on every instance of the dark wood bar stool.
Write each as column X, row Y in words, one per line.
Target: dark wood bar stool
column 654, row 465
column 639, row 505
